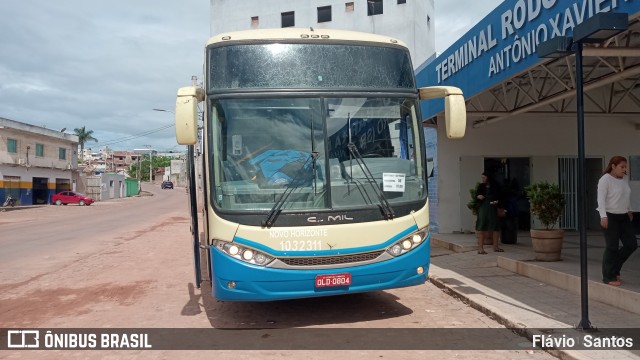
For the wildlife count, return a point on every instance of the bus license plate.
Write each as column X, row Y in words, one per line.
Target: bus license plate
column 333, row 280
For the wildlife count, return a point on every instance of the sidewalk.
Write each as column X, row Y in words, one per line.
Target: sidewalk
column 532, row 296
column 21, row 207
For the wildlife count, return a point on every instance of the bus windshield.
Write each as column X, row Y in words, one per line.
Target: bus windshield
column 266, row 146
column 308, row 66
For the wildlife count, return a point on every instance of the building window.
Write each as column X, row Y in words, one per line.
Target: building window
column 255, row 22
column 402, row 2
column 348, row 7
column 324, row 14
column 288, row 19
column 62, row 153
column 39, row 150
column 12, row 146
column 374, row 7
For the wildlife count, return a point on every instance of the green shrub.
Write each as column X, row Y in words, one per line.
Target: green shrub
column 547, row 202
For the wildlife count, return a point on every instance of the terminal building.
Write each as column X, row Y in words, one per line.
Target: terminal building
column 521, row 109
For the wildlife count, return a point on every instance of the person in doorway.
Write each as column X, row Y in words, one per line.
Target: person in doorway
column 614, row 206
column 487, row 223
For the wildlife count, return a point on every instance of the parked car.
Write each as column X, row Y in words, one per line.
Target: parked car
column 166, row 185
column 71, row 197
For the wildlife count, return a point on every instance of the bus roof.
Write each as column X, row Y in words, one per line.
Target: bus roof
column 301, row 33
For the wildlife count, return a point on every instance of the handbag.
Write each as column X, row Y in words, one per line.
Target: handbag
column 501, row 212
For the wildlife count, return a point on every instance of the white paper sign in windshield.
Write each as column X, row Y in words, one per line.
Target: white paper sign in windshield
column 393, row 182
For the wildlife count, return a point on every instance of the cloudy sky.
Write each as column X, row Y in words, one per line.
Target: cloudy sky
column 455, row 17
column 105, row 64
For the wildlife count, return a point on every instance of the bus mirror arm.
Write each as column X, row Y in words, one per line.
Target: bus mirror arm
column 187, row 114
column 455, row 111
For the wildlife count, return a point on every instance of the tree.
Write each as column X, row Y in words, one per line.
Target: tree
column 84, row 136
column 142, row 167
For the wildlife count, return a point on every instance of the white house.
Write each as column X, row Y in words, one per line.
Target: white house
column 35, row 162
column 408, row 20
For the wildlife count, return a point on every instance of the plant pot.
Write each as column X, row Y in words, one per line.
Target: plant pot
column 547, row 244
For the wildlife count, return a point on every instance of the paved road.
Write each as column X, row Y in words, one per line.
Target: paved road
column 128, row 264
column 49, row 237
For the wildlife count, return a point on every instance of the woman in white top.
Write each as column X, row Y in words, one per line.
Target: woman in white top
column 614, row 206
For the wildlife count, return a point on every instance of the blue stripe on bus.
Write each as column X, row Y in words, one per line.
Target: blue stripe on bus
column 270, row 251
column 255, row 283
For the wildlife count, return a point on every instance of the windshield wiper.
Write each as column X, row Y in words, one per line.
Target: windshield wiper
column 386, row 209
column 291, row 187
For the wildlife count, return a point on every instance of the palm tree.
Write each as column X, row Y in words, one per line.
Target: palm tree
column 84, row 136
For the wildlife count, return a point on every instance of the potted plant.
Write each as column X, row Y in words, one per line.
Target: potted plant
column 547, row 203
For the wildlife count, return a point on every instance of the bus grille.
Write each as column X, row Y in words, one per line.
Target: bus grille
column 331, row 260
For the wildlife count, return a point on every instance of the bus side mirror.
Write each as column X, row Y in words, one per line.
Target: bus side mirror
column 455, row 110
column 187, row 114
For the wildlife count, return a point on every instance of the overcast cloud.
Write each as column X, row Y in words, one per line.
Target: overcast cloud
column 455, row 17
column 105, row 64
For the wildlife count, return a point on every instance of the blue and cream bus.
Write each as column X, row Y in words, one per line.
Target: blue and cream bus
column 313, row 164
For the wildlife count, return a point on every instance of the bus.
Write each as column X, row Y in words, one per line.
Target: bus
column 313, row 165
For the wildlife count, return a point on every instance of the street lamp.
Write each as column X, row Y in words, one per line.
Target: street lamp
column 169, row 111
column 596, row 29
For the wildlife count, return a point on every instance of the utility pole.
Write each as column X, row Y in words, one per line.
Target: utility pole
column 150, row 163
column 151, row 166
column 139, row 174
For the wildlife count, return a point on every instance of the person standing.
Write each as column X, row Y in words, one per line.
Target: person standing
column 614, row 207
column 488, row 223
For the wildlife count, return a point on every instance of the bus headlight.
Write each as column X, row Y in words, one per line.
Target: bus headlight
column 260, row 258
column 247, row 255
column 408, row 243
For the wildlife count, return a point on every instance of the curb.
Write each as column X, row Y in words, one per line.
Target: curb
column 615, row 296
column 451, row 246
column 515, row 327
column 14, row 208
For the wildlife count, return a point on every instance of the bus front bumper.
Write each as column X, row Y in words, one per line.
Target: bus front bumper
column 234, row 280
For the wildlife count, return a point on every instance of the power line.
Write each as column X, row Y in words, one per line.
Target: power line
column 135, row 136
